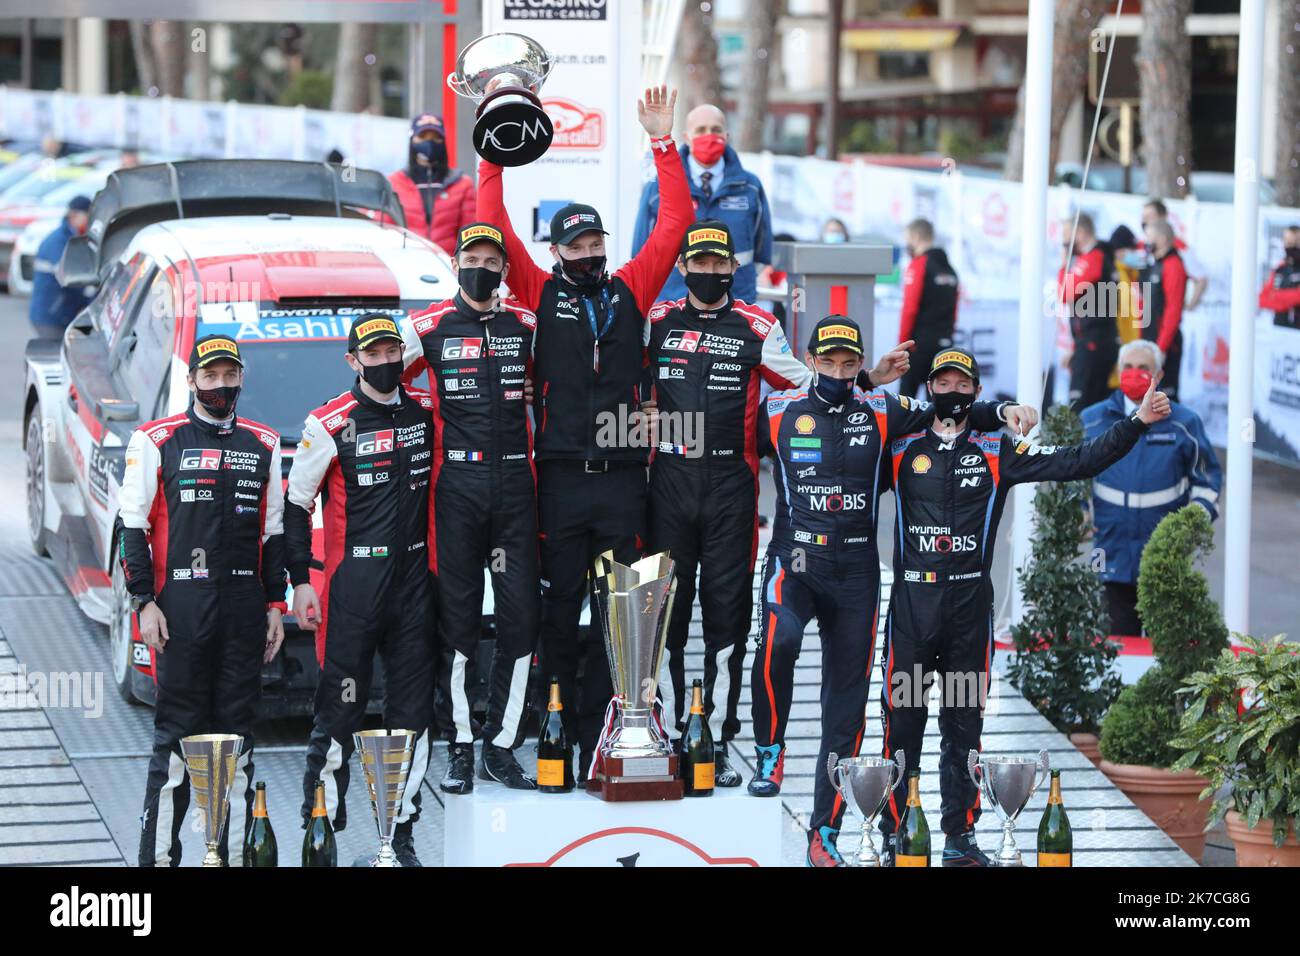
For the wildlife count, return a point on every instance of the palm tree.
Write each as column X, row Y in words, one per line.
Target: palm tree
column 1164, row 63
column 697, row 50
column 1287, row 175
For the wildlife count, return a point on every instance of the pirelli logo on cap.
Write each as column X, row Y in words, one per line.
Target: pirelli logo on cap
column 837, row 332
column 481, row 232
column 699, row 236
column 375, row 326
column 217, row 345
column 952, row 356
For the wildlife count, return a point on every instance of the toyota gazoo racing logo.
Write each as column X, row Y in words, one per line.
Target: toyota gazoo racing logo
column 201, row 459
column 932, row 539
column 576, row 127
column 462, row 349
column 682, row 341
column 375, row 443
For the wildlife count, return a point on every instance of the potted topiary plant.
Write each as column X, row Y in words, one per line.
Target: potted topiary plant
column 1187, row 633
column 1064, row 664
column 1242, row 728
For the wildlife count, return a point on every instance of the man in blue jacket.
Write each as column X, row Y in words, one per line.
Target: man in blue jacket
column 1173, row 464
column 721, row 189
column 53, row 306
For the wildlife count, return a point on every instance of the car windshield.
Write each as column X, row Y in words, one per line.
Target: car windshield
column 39, row 183
column 286, row 379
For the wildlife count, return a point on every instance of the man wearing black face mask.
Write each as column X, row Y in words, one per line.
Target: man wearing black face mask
column 437, row 200
column 478, row 351
column 1281, row 294
column 589, row 368
column 367, row 453
column 202, row 544
column 950, row 485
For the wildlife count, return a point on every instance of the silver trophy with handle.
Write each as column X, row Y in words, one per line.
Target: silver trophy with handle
column 211, row 760
column 503, row 73
column 386, row 758
column 1007, row 784
column 866, row 783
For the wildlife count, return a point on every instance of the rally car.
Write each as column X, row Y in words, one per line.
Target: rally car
column 280, row 255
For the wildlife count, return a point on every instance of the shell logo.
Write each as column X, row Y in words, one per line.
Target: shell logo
column 921, row 464
column 805, row 424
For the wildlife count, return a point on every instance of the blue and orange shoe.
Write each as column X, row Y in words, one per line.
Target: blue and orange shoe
column 770, row 772
column 962, row 850
column 821, row 848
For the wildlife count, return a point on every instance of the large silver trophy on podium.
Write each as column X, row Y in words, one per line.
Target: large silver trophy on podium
column 211, row 760
column 866, row 782
column 386, row 757
column 1007, row 783
column 504, row 72
column 633, row 605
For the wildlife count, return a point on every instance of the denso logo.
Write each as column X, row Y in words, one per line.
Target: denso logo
column 375, row 443
column 462, row 349
column 682, row 341
column 945, row 543
column 728, row 367
column 511, row 369
column 201, row 459
column 853, row 502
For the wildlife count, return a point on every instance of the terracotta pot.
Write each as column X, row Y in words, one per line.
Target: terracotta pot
column 1255, row 847
column 1088, row 745
column 1168, row 798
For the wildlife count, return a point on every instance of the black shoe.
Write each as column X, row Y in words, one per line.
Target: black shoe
column 724, row 774
column 888, row 850
column 499, row 764
column 584, row 768
column 962, row 850
column 404, row 845
column 459, row 777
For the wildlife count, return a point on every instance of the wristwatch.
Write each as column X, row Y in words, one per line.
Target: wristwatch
column 138, row 603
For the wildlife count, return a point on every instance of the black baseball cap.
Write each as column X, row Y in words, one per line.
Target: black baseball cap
column 960, row 359
column 708, row 237
column 372, row 328
column 210, row 348
column 79, row 204
column 476, row 231
column 835, row 332
column 572, row 221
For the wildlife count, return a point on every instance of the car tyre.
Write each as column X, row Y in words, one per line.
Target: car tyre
column 36, row 483
column 121, row 637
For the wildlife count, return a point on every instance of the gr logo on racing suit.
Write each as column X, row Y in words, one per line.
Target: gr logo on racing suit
column 201, row 459
column 682, row 341
column 375, row 443
column 462, row 349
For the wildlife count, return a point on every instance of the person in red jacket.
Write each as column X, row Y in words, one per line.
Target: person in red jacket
column 1281, row 294
column 929, row 303
column 437, row 200
column 1164, row 287
column 1085, row 281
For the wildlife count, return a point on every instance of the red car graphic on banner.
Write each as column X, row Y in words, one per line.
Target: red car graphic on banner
column 576, row 127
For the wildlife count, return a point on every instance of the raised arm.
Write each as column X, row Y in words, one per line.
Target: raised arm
column 526, row 277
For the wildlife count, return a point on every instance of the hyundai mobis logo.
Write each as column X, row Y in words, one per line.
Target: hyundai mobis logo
column 556, row 9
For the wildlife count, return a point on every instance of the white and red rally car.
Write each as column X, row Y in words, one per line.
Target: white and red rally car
column 282, row 256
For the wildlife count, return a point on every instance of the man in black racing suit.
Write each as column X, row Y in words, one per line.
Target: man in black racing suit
column 950, row 485
column 368, row 453
column 828, row 443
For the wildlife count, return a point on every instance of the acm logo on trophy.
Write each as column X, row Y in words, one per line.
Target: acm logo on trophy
column 504, row 72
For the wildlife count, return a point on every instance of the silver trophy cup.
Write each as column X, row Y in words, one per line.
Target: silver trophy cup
column 1007, row 784
column 386, row 757
column 211, row 760
column 865, row 783
column 504, row 72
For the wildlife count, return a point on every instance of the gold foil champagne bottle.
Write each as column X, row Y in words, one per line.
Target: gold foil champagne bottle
column 259, row 843
column 554, row 752
column 698, row 759
column 913, row 846
column 1055, row 839
column 318, row 848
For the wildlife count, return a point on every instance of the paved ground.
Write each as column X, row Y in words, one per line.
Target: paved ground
column 70, row 784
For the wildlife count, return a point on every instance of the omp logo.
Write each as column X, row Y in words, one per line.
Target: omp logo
column 462, row 349
column 682, row 341
column 333, row 422
column 76, row 909
column 201, row 459
column 576, row 127
column 423, row 325
column 375, row 443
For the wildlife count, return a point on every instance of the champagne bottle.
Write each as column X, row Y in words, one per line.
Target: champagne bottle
column 913, row 832
column 1055, row 839
column 259, row 842
column 554, row 752
column 698, row 759
column 318, row 847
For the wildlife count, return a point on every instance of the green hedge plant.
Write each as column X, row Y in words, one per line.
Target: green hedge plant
column 1187, row 634
column 1063, row 664
column 1242, row 727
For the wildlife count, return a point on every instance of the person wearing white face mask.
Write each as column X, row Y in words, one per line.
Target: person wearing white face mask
column 835, row 232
